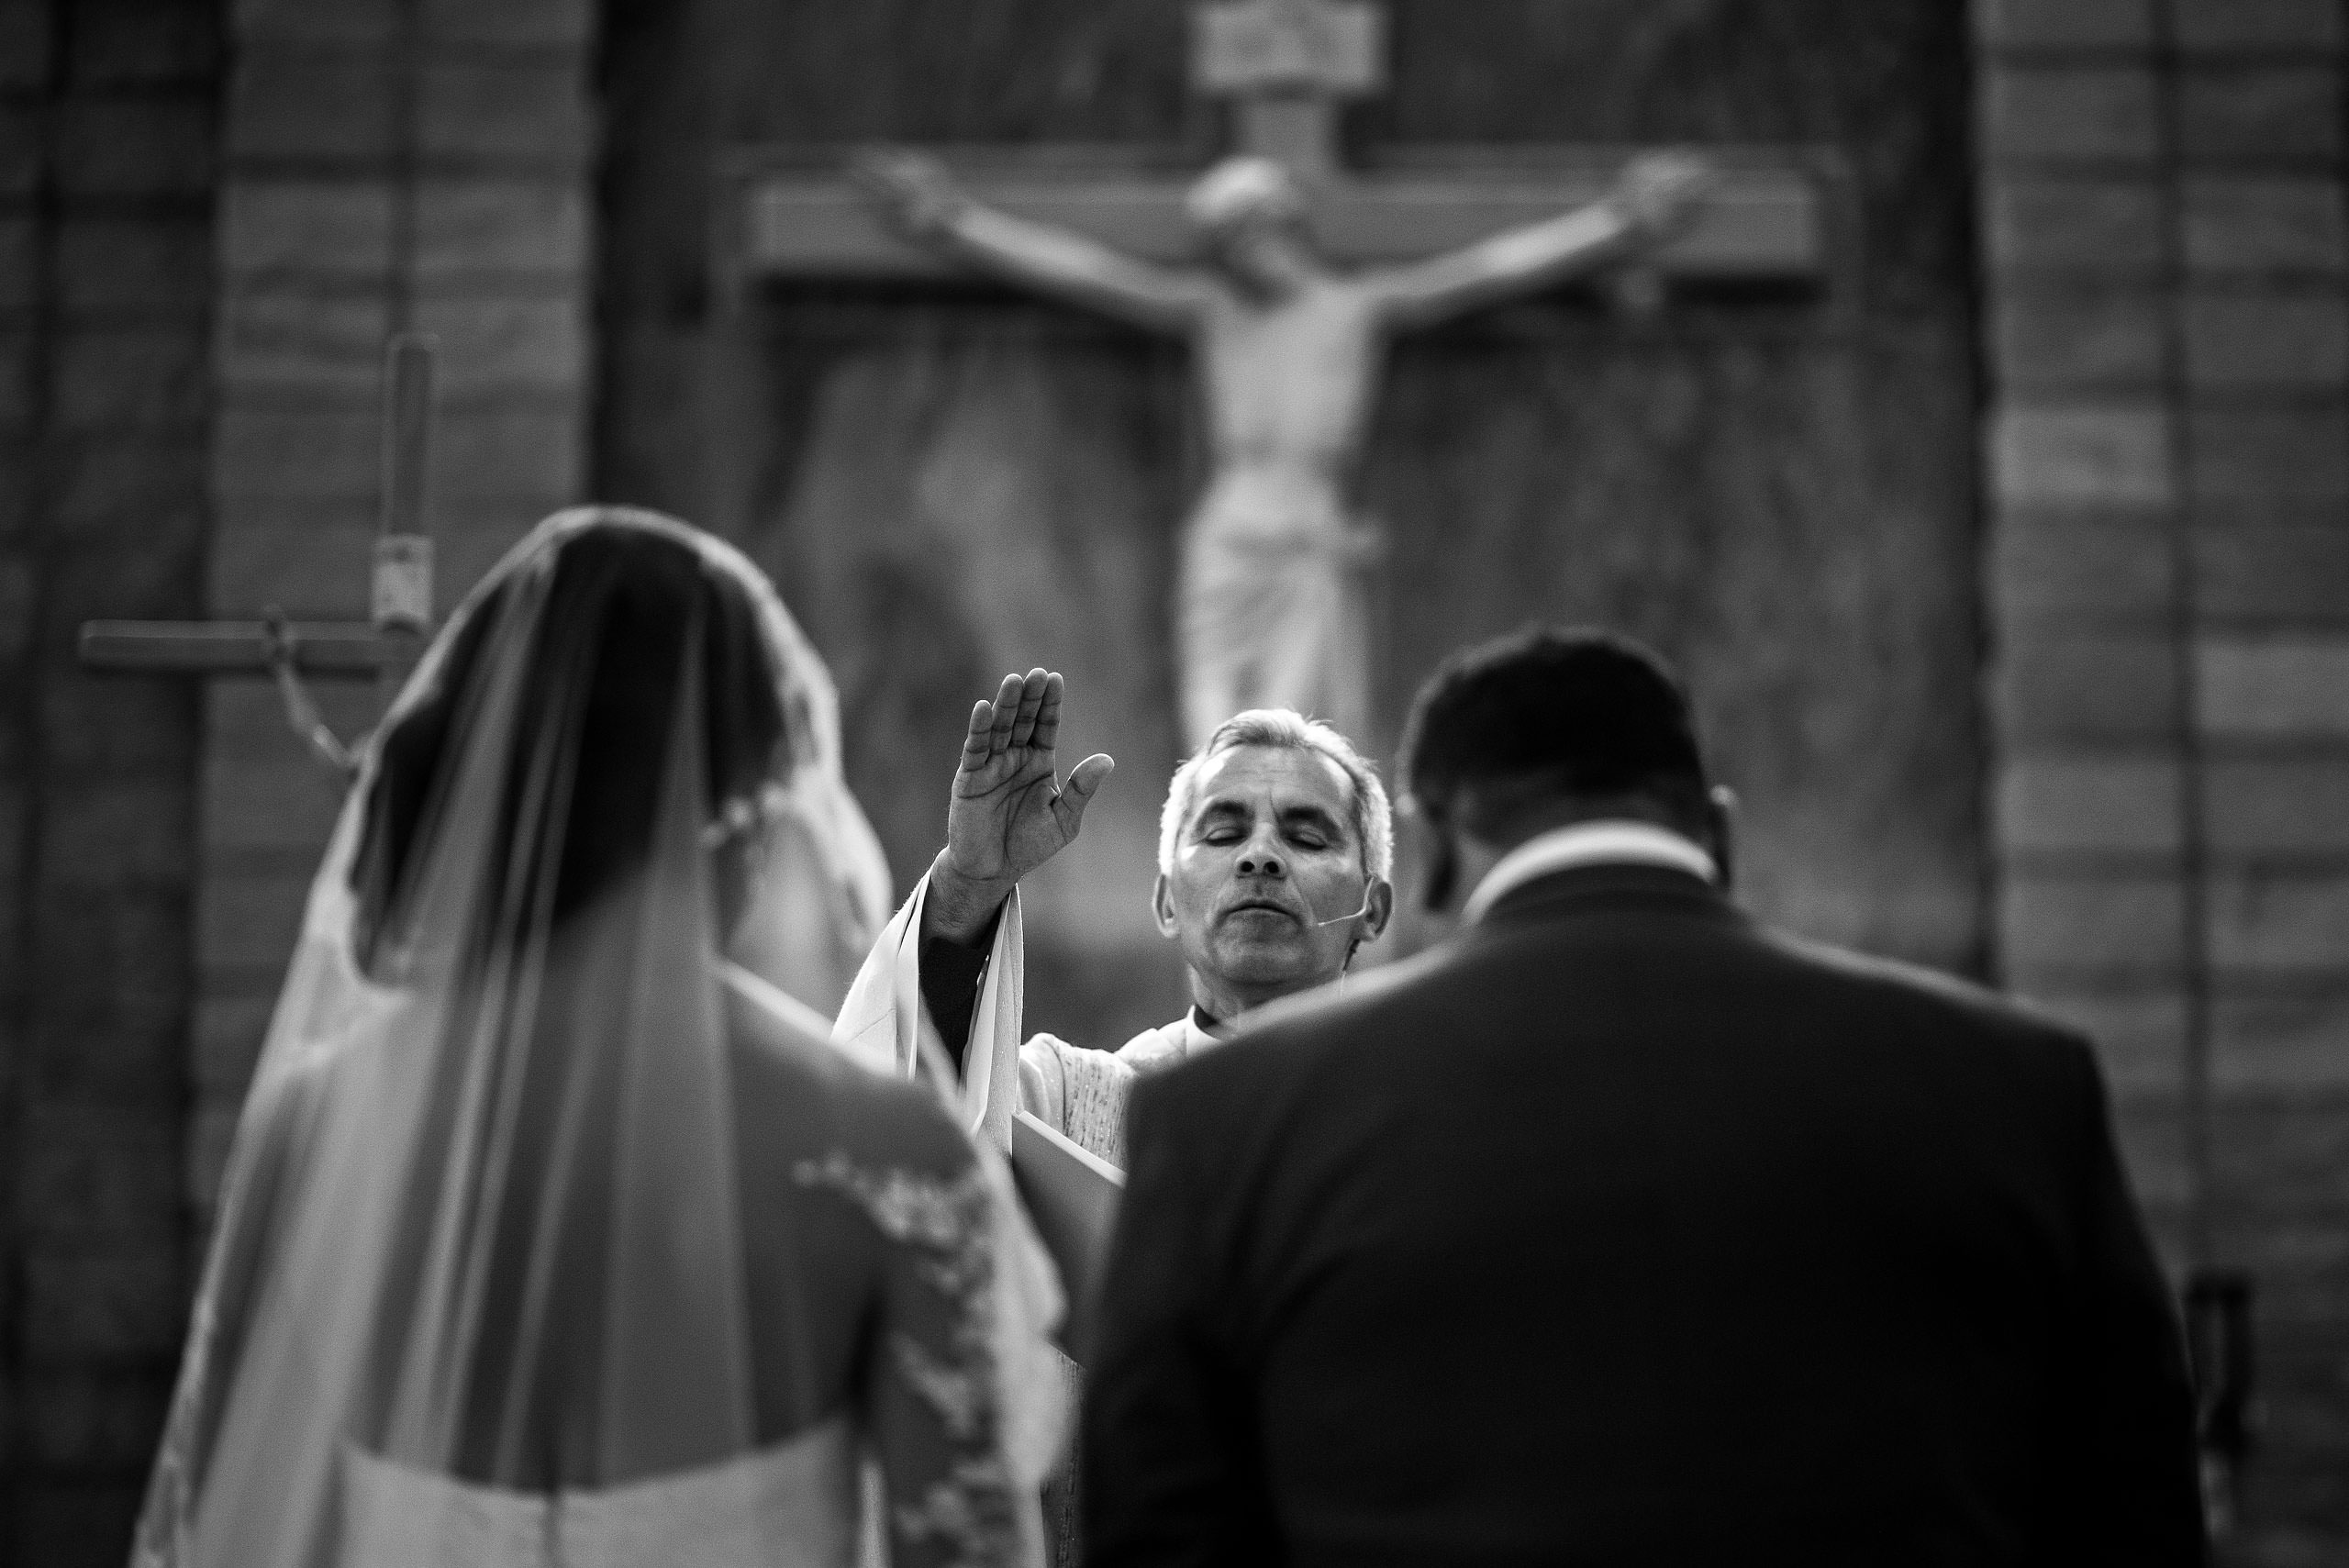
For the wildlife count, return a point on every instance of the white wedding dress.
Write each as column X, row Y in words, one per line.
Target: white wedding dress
column 555, row 1234
column 793, row 1505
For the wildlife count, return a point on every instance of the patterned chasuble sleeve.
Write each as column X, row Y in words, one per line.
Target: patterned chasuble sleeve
column 1077, row 1093
column 934, row 1401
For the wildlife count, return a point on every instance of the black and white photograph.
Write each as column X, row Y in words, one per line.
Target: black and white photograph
column 1173, row 783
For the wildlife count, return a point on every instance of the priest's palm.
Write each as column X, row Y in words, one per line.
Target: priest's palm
column 1010, row 812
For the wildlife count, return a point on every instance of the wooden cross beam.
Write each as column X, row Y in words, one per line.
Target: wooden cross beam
column 402, row 590
column 1283, row 65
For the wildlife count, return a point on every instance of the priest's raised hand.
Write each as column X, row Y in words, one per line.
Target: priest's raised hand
column 1009, row 811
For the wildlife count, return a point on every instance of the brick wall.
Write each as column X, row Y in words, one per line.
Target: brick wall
column 2166, row 233
column 107, row 156
column 390, row 164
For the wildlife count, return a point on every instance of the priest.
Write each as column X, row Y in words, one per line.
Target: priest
column 1274, row 850
column 1275, row 846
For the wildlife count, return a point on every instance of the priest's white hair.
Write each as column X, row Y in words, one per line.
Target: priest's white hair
column 1287, row 729
column 1241, row 189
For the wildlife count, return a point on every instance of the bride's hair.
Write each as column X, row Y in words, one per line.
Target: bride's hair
column 619, row 602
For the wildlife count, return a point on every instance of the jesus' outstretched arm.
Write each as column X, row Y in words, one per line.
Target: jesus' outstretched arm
column 1656, row 194
column 924, row 201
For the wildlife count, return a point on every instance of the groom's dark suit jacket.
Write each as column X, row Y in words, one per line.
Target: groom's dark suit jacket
column 1623, row 1230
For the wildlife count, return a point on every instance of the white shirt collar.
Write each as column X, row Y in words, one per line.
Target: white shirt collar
column 1612, row 843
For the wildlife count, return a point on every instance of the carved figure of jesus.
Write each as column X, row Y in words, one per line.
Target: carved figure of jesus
column 1272, row 604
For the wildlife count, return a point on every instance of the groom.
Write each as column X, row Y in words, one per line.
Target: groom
column 1625, row 1230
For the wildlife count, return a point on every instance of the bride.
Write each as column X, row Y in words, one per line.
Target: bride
column 555, row 1232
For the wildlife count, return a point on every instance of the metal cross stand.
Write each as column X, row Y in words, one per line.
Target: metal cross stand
column 2219, row 1336
column 384, row 648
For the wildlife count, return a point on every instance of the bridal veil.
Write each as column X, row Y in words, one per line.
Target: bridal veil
column 482, row 1217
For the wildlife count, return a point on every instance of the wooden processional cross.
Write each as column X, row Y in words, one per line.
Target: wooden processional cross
column 1284, row 65
column 382, row 649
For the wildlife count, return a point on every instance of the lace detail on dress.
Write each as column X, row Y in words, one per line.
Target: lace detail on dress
column 946, row 1221
column 948, row 1390
column 947, row 1224
column 971, row 1510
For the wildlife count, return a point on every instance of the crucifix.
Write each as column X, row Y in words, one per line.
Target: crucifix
column 1287, row 274
column 384, row 648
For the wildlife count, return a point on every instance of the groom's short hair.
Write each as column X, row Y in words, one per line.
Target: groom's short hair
column 1287, row 729
column 1513, row 728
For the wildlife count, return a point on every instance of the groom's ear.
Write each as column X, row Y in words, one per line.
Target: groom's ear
column 1425, row 832
column 1443, row 871
column 1720, row 819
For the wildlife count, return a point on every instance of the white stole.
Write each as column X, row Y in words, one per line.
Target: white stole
column 884, row 1023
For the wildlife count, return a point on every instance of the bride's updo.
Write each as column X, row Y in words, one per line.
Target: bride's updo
column 618, row 607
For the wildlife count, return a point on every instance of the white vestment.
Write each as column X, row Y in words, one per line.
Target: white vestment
column 1082, row 1093
column 1074, row 1091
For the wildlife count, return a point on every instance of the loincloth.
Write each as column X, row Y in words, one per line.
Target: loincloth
column 1252, row 521
column 1274, row 610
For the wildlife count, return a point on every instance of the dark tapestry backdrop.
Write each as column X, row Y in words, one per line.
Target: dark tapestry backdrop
column 951, row 482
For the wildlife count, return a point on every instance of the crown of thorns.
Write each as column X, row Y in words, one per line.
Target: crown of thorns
column 1240, row 190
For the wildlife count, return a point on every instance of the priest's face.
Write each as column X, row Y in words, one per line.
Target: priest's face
column 1266, row 852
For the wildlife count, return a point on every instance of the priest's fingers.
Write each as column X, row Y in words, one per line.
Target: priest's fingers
column 1007, row 713
column 1032, row 699
column 1084, row 780
column 975, row 742
column 1048, row 715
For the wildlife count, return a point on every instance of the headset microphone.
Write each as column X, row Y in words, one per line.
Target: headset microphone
column 1343, row 919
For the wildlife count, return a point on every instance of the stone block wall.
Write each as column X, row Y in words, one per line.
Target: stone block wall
column 108, row 152
column 2165, row 230
column 389, row 165
column 212, row 214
